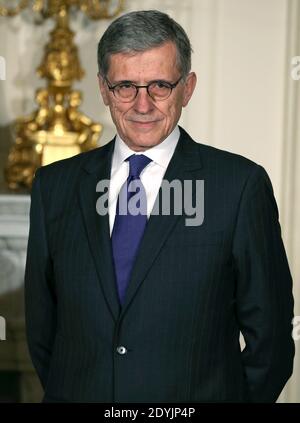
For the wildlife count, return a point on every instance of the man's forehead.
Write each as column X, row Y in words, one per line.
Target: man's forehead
column 151, row 63
column 168, row 47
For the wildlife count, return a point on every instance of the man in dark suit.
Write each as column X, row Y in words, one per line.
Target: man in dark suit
column 138, row 306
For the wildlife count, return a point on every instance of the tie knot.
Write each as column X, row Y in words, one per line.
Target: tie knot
column 137, row 162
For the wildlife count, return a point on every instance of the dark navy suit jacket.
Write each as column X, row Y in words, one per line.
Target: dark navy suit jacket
column 192, row 289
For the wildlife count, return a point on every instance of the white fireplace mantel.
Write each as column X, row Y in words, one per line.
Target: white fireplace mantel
column 14, row 356
column 14, row 229
column 14, row 216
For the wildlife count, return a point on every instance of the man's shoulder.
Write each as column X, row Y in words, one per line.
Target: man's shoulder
column 230, row 170
column 59, row 181
column 225, row 158
column 215, row 158
column 71, row 166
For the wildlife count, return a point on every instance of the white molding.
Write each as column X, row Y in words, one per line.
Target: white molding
column 290, row 190
column 14, row 216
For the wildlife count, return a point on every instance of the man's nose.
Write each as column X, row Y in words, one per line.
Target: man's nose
column 143, row 102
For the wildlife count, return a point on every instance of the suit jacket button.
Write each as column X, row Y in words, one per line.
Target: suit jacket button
column 121, row 350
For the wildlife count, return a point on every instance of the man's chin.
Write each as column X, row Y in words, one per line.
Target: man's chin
column 143, row 139
column 139, row 143
column 142, row 146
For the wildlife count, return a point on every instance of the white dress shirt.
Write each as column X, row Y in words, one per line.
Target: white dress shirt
column 151, row 176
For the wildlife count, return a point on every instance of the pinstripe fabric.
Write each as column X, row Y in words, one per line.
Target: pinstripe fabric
column 191, row 291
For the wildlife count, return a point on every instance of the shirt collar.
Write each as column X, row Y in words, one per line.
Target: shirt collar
column 160, row 154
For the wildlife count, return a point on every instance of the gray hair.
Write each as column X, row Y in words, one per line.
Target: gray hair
column 140, row 31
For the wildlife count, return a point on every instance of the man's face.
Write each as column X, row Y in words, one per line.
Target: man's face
column 143, row 122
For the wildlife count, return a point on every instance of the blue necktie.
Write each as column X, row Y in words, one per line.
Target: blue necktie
column 130, row 222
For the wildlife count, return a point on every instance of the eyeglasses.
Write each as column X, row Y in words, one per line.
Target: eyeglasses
column 127, row 91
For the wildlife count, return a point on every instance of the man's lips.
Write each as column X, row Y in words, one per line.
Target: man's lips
column 144, row 123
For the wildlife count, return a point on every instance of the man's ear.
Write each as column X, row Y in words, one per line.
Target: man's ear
column 103, row 90
column 189, row 87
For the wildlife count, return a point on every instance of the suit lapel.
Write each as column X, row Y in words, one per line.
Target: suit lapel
column 186, row 158
column 97, row 227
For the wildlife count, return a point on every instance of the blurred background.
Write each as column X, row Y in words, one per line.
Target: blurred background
column 247, row 59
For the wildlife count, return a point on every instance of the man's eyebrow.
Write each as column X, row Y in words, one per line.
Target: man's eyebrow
column 122, row 81
column 130, row 81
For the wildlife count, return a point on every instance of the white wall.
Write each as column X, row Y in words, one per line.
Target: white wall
column 239, row 59
column 290, row 181
column 245, row 100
